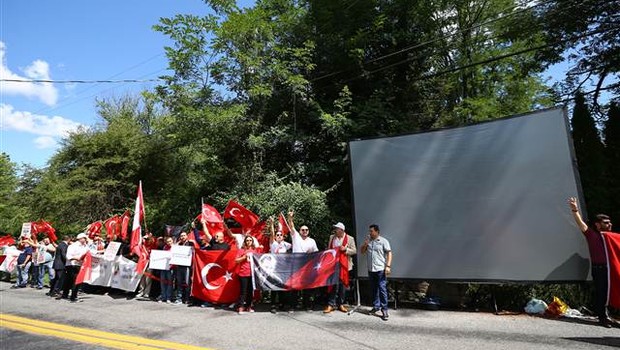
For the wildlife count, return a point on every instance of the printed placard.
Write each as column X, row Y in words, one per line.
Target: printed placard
column 160, row 260
column 181, row 255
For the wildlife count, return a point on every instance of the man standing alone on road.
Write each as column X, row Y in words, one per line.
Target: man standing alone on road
column 379, row 261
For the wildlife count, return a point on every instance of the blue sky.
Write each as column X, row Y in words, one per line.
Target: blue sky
column 76, row 40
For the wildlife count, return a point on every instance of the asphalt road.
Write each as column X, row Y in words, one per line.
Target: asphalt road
column 224, row 329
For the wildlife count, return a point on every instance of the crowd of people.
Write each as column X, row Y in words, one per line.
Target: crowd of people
column 62, row 262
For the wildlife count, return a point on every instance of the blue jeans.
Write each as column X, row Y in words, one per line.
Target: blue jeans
column 183, row 283
column 166, row 285
column 22, row 274
column 378, row 285
column 336, row 296
column 42, row 269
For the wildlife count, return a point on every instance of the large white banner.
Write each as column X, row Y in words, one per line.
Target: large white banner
column 119, row 273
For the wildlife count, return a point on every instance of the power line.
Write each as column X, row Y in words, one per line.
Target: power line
column 121, row 81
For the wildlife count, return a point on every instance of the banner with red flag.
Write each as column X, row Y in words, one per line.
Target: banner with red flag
column 125, row 224
column 143, row 259
column 214, row 277
column 43, row 226
column 6, row 241
column 210, row 214
column 246, row 218
column 297, row 271
column 94, row 229
column 136, row 229
column 612, row 245
column 86, row 270
column 113, row 226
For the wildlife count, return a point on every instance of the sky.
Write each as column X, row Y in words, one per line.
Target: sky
column 74, row 40
column 77, row 40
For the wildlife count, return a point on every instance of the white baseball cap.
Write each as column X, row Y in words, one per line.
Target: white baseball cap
column 339, row 225
column 82, row 235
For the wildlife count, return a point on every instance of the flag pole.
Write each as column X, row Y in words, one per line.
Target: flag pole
column 143, row 208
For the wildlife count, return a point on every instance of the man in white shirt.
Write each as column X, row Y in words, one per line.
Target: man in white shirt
column 75, row 256
column 302, row 243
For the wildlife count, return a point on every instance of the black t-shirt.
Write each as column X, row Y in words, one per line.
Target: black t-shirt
column 213, row 245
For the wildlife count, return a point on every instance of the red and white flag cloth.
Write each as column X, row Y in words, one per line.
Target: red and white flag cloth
column 125, row 224
column 113, row 226
column 612, row 246
column 7, row 241
column 43, row 226
column 283, row 225
column 214, row 277
column 94, row 229
column 210, row 214
column 245, row 217
column 86, row 270
column 136, row 229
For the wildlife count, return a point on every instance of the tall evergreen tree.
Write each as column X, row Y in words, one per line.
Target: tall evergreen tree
column 590, row 155
column 612, row 150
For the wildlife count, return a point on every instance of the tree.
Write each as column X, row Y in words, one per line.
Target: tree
column 9, row 209
column 612, row 151
column 590, row 155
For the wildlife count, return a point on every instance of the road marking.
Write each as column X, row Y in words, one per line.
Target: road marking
column 90, row 336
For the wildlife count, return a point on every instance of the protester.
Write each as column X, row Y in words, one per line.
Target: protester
column 279, row 246
column 97, row 246
column 302, row 243
column 245, row 275
column 75, row 256
column 60, row 260
column 43, row 260
column 24, row 261
column 215, row 242
column 166, row 277
column 144, row 288
column 379, row 262
column 596, row 246
column 182, row 274
column 346, row 244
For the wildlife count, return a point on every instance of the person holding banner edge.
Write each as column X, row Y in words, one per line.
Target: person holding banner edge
column 598, row 259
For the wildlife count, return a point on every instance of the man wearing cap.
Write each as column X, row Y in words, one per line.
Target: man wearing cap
column 75, row 255
column 345, row 244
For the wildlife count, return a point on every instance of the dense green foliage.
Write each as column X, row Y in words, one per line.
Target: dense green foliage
column 263, row 100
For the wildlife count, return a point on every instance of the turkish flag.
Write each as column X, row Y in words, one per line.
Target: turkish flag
column 246, row 218
column 6, row 241
column 43, row 226
column 210, row 214
column 297, row 271
column 143, row 260
column 283, row 225
column 263, row 240
column 125, row 224
column 94, row 229
column 113, row 226
column 136, row 229
column 612, row 245
column 86, row 270
column 214, row 277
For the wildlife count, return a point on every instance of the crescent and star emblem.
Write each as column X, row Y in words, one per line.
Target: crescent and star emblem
column 205, row 272
column 232, row 212
column 332, row 252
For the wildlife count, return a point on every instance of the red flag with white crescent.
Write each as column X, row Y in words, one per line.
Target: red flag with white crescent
column 86, row 270
column 283, row 225
column 245, row 217
column 214, row 277
column 210, row 214
column 125, row 224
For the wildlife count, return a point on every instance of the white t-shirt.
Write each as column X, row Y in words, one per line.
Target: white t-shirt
column 300, row 245
column 279, row 248
column 76, row 251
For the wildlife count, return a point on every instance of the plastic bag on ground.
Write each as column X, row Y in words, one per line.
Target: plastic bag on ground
column 535, row 306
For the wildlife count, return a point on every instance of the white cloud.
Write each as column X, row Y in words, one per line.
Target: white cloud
column 45, row 142
column 45, row 92
column 50, row 129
